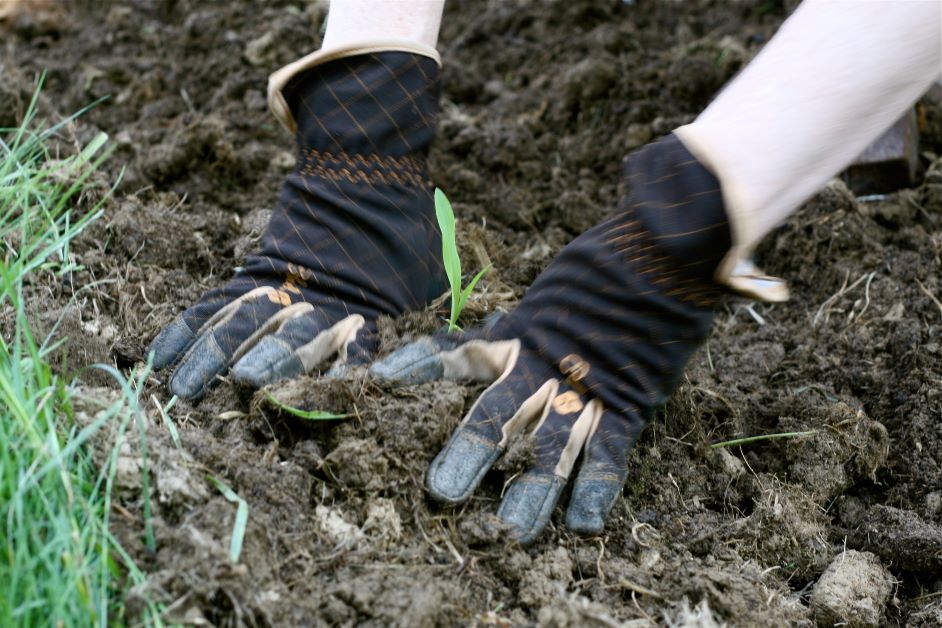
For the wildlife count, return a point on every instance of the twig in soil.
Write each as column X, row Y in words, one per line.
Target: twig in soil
column 186, row 99
column 755, row 315
column 752, row 439
column 634, row 600
column 124, row 512
column 454, row 551
column 418, row 523
column 866, row 297
column 636, row 528
column 625, row 583
column 935, row 300
column 598, row 561
column 823, row 309
column 228, row 415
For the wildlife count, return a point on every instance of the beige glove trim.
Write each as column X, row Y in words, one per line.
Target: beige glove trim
column 736, row 271
column 279, row 78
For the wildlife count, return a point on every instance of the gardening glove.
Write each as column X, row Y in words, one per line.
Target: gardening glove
column 353, row 235
column 598, row 342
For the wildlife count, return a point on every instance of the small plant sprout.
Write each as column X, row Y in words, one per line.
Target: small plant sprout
column 446, row 222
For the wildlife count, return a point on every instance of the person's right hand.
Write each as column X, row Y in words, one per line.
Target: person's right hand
column 597, row 343
column 353, row 236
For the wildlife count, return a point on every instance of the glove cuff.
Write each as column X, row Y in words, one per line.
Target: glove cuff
column 280, row 78
column 737, row 270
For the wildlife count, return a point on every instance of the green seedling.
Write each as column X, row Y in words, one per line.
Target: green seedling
column 307, row 415
column 446, row 222
column 241, row 520
column 753, row 439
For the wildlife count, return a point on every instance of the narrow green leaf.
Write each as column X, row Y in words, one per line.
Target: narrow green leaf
column 241, row 520
column 753, row 439
column 93, row 147
column 310, row 415
column 470, row 287
column 168, row 422
column 450, row 258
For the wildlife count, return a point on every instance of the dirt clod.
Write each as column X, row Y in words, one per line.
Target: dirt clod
column 852, row 591
column 901, row 538
column 789, row 529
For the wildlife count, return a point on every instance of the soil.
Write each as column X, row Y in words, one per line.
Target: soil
column 542, row 100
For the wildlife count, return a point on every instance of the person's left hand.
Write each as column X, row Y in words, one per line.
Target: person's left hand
column 598, row 342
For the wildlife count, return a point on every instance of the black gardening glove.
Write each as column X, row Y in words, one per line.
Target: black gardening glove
column 598, row 342
column 353, row 235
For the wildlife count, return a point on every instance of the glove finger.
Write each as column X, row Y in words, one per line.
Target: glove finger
column 359, row 352
column 560, row 436
column 602, row 473
column 296, row 347
column 447, row 356
column 512, row 403
column 176, row 338
column 229, row 333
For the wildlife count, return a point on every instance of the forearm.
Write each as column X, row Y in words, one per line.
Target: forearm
column 835, row 76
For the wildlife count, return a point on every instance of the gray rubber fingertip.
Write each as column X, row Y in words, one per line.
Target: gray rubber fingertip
column 459, row 467
column 590, row 504
column 415, row 363
column 199, row 369
column 529, row 503
column 269, row 361
column 170, row 343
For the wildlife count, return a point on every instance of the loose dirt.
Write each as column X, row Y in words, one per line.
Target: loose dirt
column 542, row 100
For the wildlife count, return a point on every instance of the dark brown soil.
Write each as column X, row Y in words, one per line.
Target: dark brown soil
column 542, row 101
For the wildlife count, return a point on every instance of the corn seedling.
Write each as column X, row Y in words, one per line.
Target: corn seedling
column 451, row 259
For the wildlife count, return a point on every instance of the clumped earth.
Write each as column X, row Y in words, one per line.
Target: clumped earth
column 541, row 102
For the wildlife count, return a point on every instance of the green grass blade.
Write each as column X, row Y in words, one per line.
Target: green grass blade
column 753, row 439
column 57, row 556
column 308, row 415
column 241, row 520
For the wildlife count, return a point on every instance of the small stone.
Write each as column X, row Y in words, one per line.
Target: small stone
column 934, row 505
column 257, row 50
column 383, row 524
column 853, row 591
column 335, row 527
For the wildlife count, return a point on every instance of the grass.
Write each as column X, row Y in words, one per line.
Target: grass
column 753, row 439
column 59, row 564
column 241, row 520
column 459, row 296
column 307, row 415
